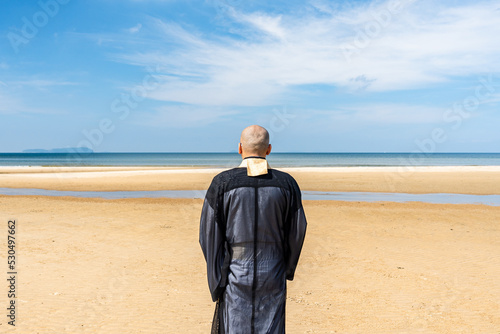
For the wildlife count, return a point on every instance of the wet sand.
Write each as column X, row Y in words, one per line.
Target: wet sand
column 480, row 180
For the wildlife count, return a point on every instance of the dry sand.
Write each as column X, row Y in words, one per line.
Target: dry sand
column 135, row 265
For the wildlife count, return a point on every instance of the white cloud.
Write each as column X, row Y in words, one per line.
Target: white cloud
column 135, row 29
column 268, row 24
column 372, row 47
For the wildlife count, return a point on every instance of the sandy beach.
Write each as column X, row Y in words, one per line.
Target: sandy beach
column 88, row 265
column 479, row 180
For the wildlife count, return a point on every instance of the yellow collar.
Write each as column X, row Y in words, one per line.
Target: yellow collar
column 255, row 166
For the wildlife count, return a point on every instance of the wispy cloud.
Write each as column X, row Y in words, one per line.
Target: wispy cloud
column 416, row 47
column 13, row 105
column 135, row 29
column 267, row 24
column 493, row 99
column 8, row 105
column 17, row 96
column 43, row 83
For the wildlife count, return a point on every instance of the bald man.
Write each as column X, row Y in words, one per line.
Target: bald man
column 252, row 228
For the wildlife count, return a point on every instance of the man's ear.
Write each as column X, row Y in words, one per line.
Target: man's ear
column 240, row 149
column 268, row 149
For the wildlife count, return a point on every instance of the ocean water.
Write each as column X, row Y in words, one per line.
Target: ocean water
column 228, row 160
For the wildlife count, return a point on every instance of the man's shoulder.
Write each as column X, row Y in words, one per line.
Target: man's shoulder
column 218, row 185
column 283, row 175
column 237, row 177
column 225, row 177
column 227, row 174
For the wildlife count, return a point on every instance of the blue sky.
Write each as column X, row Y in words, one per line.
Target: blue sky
column 188, row 76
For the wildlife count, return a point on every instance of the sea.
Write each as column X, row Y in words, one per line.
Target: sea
column 276, row 160
column 227, row 160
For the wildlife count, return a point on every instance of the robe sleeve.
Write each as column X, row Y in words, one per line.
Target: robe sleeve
column 212, row 239
column 295, row 230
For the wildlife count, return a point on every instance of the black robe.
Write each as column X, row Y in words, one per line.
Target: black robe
column 251, row 232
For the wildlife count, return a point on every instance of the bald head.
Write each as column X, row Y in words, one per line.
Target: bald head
column 254, row 141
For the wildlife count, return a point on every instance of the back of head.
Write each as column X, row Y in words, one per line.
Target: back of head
column 255, row 140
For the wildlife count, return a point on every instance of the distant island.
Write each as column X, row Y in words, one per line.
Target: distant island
column 61, row 150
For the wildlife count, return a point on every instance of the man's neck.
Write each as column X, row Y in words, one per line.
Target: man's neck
column 254, row 156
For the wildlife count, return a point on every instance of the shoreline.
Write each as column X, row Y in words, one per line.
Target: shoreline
column 474, row 180
column 446, row 168
column 359, row 197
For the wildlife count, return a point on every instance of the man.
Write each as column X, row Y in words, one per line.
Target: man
column 252, row 228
